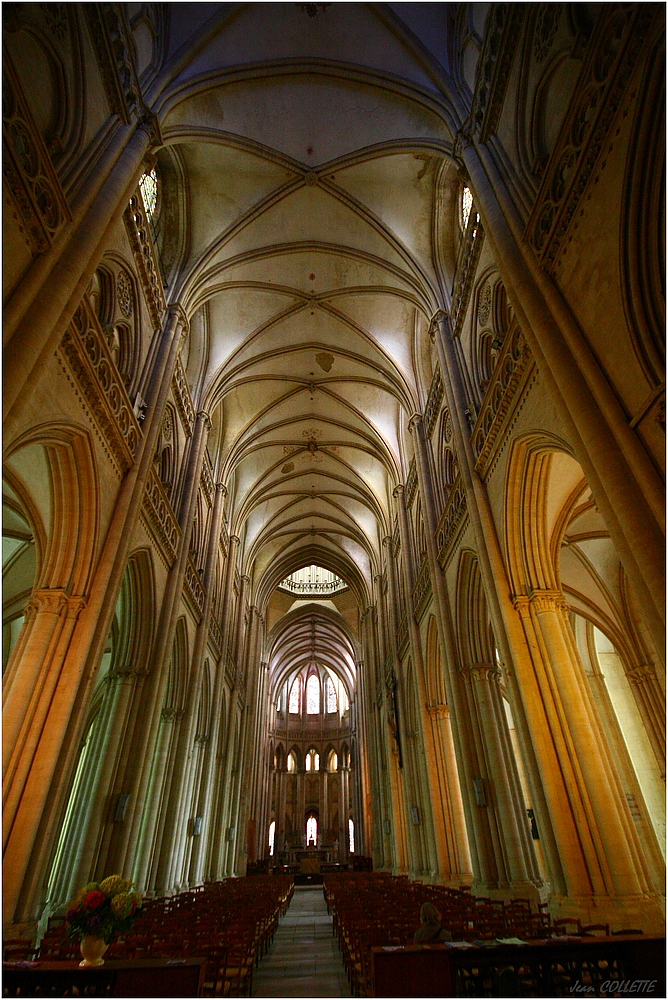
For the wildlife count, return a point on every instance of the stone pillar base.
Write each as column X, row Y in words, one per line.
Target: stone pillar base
column 644, row 912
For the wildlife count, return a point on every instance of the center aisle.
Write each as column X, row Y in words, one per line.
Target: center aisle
column 304, row 959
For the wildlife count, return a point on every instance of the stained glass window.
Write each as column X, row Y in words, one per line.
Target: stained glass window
column 333, row 761
column 272, row 834
column 467, row 204
column 331, row 696
column 316, row 762
column 292, row 763
column 148, row 186
column 294, row 698
column 312, row 695
column 351, row 836
column 311, row 830
column 309, row 762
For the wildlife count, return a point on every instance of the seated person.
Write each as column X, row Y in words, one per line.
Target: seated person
column 430, row 930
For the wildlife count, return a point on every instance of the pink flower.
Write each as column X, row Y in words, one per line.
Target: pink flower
column 94, row 900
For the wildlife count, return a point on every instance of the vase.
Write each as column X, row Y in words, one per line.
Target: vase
column 92, row 950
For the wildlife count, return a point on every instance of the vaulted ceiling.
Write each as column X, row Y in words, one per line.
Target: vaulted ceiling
column 316, row 239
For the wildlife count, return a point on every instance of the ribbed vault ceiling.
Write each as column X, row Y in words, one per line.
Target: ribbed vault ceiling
column 315, row 156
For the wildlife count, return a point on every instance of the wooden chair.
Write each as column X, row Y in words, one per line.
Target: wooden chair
column 567, row 925
column 596, row 930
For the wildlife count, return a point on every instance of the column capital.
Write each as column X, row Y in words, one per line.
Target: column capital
column 150, row 124
column 414, row 421
column 387, row 541
column 49, row 601
column 235, row 539
column 128, row 672
column 439, row 317
column 175, row 310
column 205, row 418
column 643, row 672
column 221, row 488
column 398, row 490
column 487, row 672
column 542, row 601
column 463, row 138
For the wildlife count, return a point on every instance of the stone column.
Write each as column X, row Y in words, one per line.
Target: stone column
column 248, row 748
column 378, row 782
column 180, row 794
column 301, row 801
column 507, row 629
column 598, row 846
column 146, row 801
column 626, row 486
column 466, row 763
column 444, row 852
column 650, row 700
column 407, row 749
column 37, row 720
column 280, row 809
column 37, row 328
column 49, row 620
column 218, row 781
column 396, row 815
column 104, row 788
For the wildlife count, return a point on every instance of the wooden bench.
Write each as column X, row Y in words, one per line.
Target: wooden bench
column 549, row 968
column 145, row 978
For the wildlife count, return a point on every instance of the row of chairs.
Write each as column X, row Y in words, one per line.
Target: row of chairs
column 378, row 909
column 230, row 923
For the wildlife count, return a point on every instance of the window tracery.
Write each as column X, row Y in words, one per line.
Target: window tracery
column 312, row 695
column 466, row 205
column 331, row 696
column 148, row 186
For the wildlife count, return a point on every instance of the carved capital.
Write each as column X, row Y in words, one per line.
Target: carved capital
column 50, row 602
column 640, row 674
column 221, row 488
column 398, row 491
column 439, row 319
column 150, row 124
column 204, row 417
column 542, row 601
column 438, row 710
column 387, row 541
column 128, row 672
column 75, row 606
column 463, row 139
column 485, row 673
column 175, row 310
column 414, row 422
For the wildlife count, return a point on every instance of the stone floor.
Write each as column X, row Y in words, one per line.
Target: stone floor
column 304, row 959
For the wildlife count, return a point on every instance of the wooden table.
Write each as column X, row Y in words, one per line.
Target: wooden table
column 549, row 968
column 151, row 977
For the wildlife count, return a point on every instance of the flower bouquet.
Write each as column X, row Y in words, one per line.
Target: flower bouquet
column 100, row 911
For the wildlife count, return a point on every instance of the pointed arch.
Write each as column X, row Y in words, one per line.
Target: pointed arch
column 476, row 641
column 435, row 679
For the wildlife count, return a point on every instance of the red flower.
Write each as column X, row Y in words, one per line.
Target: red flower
column 94, row 900
column 73, row 913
